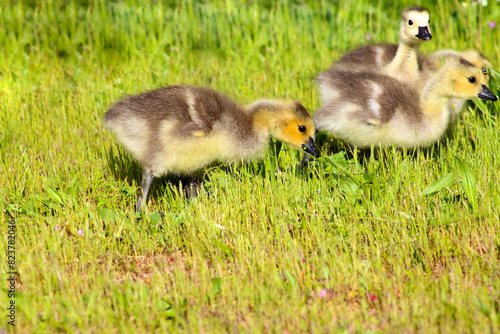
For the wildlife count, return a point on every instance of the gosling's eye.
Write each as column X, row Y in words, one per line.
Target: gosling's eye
column 472, row 79
column 410, row 22
column 302, row 129
column 429, row 22
column 485, row 71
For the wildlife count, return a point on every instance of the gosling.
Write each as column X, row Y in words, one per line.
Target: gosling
column 432, row 63
column 181, row 129
column 398, row 61
column 414, row 31
column 373, row 109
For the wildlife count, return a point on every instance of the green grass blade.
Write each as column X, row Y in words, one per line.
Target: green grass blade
column 436, row 187
column 468, row 183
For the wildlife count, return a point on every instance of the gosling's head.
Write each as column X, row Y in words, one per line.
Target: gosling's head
column 415, row 26
column 467, row 81
column 478, row 59
column 289, row 122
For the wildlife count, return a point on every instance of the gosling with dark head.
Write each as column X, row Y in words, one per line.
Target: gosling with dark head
column 181, row 129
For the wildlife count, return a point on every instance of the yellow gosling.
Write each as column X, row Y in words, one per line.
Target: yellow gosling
column 431, row 64
column 181, row 129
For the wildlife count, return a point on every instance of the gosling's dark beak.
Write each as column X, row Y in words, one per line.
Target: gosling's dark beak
column 424, row 33
column 311, row 148
column 487, row 94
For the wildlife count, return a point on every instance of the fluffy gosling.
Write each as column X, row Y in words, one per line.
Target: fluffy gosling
column 367, row 109
column 181, row 129
column 398, row 61
column 414, row 31
column 431, row 64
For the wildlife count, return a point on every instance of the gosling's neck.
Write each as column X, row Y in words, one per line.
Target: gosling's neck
column 404, row 65
column 263, row 115
column 435, row 97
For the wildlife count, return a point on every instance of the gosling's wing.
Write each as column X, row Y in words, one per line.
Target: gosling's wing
column 346, row 101
column 366, row 58
column 365, row 98
column 208, row 111
column 166, row 103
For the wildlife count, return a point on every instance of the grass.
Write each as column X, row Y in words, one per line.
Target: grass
column 405, row 242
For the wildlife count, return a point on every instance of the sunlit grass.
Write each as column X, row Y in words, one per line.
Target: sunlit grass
column 405, row 242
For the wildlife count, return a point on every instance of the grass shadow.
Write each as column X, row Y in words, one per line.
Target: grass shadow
column 126, row 169
column 330, row 146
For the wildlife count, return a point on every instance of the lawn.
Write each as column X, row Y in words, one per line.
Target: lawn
column 391, row 241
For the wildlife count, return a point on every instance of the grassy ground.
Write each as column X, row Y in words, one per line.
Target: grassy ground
column 405, row 242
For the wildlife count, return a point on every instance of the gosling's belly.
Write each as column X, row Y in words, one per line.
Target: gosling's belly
column 189, row 155
column 404, row 134
column 411, row 135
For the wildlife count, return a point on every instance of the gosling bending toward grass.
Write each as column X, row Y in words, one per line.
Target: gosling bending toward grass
column 398, row 61
column 367, row 109
column 181, row 129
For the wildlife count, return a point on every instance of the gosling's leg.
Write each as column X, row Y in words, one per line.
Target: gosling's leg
column 147, row 180
column 452, row 124
column 192, row 187
column 305, row 160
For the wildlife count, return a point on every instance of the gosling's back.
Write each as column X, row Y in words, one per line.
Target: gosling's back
column 371, row 108
column 367, row 58
column 180, row 129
